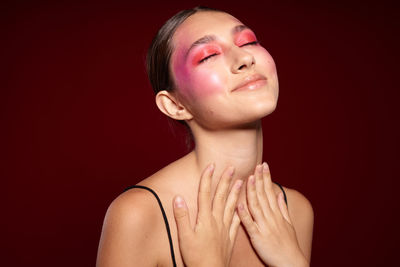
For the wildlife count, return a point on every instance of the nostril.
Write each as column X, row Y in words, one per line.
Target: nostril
column 241, row 67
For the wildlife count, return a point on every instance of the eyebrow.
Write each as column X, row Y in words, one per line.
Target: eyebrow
column 210, row 38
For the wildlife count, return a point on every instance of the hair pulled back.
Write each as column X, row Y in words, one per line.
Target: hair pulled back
column 159, row 55
column 160, row 50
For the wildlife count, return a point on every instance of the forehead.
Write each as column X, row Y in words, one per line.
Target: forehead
column 201, row 24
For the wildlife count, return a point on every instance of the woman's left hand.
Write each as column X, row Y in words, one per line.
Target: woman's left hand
column 271, row 231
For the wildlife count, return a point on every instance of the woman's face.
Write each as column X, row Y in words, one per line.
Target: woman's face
column 214, row 55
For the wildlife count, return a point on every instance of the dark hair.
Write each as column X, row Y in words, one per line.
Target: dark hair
column 159, row 56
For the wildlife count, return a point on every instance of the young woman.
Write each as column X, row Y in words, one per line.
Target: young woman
column 210, row 73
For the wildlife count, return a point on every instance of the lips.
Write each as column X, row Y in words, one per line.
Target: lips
column 251, row 82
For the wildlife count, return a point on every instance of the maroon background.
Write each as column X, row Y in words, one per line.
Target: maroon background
column 79, row 122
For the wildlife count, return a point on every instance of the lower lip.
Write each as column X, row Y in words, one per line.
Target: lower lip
column 252, row 86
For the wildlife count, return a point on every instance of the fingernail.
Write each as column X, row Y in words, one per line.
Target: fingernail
column 251, row 178
column 179, row 202
column 240, row 206
column 231, row 170
column 259, row 168
column 211, row 167
column 239, row 184
column 265, row 165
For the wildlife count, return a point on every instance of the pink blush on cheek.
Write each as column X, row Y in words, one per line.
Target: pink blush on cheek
column 206, row 84
column 196, row 80
column 180, row 70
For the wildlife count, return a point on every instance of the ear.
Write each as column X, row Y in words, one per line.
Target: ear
column 170, row 106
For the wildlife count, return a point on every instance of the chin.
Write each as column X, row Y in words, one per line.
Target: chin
column 260, row 112
column 245, row 114
column 247, row 119
column 264, row 108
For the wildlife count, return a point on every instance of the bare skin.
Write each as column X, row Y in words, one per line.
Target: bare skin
column 216, row 225
column 134, row 232
column 136, row 211
column 265, row 218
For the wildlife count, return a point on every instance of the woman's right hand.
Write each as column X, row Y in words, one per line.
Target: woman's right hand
column 211, row 241
column 271, row 231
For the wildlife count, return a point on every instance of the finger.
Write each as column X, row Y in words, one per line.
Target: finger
column 231, row 202
column 269, row 189
column 260, row 191
column 245, row 218
column 252, row 200
column 204, row 196
column 234, row 227
column 182, row 219
column 283, row 207
column 221, row 193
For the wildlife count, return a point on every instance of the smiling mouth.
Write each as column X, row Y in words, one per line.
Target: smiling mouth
column 251, row 82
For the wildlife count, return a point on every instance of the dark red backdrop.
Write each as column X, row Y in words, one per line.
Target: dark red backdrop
column 79, row 122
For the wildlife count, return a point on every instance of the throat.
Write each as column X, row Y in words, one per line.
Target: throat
column 240, row 148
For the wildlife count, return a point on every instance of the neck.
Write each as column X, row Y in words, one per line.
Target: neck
column 241, row 148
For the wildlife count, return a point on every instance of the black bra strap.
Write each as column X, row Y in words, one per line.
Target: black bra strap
column 164, row 216
column 284, row 194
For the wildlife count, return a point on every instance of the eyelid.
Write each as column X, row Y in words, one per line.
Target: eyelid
column 207, row 57
column 255, row 42
column 207, row 53
column 215, row 54
column 251, row 43
column 245, row 36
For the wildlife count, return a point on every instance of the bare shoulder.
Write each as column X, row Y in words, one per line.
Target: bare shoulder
column 134, row 232
column 127, row 236
column 135, row 207
column 298, row 204
column 302, row 216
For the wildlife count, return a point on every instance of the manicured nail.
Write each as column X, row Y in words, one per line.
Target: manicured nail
column 259, row 168
column 266, row 168
column 179, row 202
column 231, row 170
column 238, row 184
column 251, row 178
column 211, row 167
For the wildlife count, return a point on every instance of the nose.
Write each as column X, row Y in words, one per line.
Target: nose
column 242, row 60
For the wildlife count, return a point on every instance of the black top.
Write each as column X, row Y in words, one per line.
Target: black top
column 165, row 216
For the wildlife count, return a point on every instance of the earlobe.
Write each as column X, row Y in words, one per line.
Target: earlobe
column 170, row 106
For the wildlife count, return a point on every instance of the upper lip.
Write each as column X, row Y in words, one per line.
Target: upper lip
column 248, row 79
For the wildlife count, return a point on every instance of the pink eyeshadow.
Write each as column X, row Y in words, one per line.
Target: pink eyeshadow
column 205, row 52
column 245, row 37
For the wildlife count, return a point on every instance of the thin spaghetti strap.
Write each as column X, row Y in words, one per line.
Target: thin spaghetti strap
column 284, row 194
column 164, row 216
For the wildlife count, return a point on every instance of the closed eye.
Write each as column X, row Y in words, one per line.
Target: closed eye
column 251, row 43
column 207, row 57
column 215, row 54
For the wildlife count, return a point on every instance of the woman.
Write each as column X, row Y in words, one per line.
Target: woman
column 210, row 73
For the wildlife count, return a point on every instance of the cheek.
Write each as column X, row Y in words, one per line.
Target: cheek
column 206, row 83
column 199, row 82
column 181, row 74
column 266, row 60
